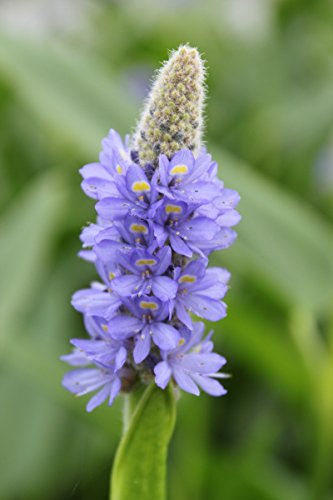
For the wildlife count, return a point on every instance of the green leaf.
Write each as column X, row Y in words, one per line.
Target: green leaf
column 281, row 240
column 73, row 95
column 35, row 323
column 27, row 232
column 139, row 469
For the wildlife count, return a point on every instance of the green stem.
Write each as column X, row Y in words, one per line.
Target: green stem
column 139, row 470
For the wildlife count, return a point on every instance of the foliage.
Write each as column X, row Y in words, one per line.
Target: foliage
column 270, row 125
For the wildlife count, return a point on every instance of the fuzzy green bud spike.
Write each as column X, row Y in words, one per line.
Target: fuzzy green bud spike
column 172, row 117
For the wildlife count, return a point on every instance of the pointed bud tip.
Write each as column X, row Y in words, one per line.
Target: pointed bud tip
column 188, row 52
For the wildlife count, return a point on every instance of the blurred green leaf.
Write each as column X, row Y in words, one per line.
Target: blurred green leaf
column 27, row 231
column 139, row 469
column 277, row 118
column 33, row 323
column 281, row 240
column 267, row 350
column 72, row 94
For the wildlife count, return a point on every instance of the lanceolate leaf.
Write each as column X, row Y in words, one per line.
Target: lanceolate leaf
column 281, row 239
column 72, row 95
column 139, row 470
column 26, row 232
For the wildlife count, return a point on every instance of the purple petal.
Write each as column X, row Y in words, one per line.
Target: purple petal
column 160, row 234
column 198, row 330
column 76, row 358
column 229, row 218
column 120, row 358
column 98, row 188
column 164, row 256
column 182, row 157
column 123, row 327
column 162, row 374
column 95, row 303
column 198, row 191
column 126, row 285
column 185, row 382
column 179, row 246
column 89, row 346
column 115, row 388
column 163, row 169
column 94, row 170
column 88, row 255
column 113, row 208
column 142, row 347
column 136, row 180
column 210, row 385
column 202, row 363
column 89, row 234
column 165, row 336
column 227, row 199
column 92, row 326
column 200, row 228
column 205, row 307
column 213, row 284
column 196, row 268
column 164, row 288
column 98, row 398
column 223, row 239
column 108, row 250
column 84, row 380
column 183, row 315
column 201, row 166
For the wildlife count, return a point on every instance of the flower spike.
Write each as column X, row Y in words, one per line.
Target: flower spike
column 161, row 212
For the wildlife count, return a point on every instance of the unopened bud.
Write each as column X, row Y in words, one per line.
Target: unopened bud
column 172, row 117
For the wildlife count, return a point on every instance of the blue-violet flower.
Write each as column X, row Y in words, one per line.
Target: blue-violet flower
column 161, row 211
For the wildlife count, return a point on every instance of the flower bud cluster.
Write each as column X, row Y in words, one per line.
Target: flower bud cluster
column 172, row 118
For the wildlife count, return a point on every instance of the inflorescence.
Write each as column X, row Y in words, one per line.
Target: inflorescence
column 158, row 219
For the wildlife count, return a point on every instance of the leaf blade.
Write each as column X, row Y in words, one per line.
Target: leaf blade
column 139, row 469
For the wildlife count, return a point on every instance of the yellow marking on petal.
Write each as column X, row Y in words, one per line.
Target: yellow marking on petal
column 148, row 305
column 105, row 328
column 173, row 209
column 145, row 262
column 139, row 186
column 111, row 275
column 179, row 169
column 187, row 278
column 138, row 228
column 119, row 169
column 181, row 342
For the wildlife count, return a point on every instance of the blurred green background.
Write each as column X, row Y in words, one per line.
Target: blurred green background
column 68, row 72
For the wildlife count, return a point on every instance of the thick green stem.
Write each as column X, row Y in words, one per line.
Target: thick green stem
column 139, row 470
